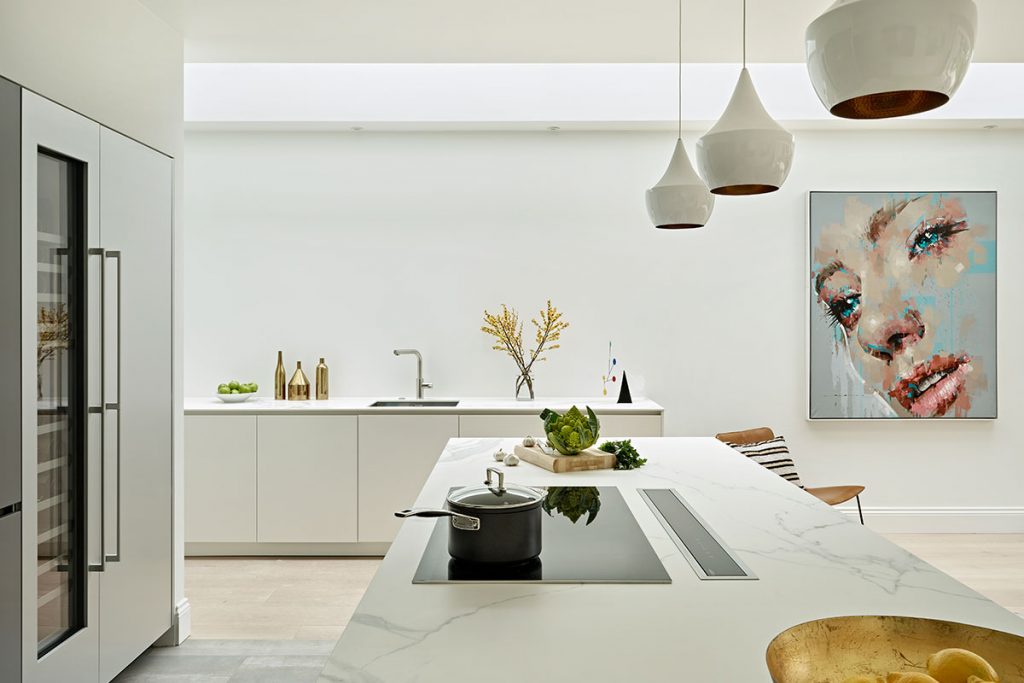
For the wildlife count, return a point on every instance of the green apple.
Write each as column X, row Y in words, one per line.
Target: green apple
column 223, row 389
column 234, row 384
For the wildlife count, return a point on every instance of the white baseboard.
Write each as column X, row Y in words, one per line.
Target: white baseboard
column 183, row 621
column 181, row 626
column 292, row 549
column 941, row 520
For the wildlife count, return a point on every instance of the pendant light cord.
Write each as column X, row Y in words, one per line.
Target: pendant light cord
column 744, row 34
column 679, row 129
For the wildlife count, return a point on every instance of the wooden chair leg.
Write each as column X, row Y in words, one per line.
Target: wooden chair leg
column 859, row 510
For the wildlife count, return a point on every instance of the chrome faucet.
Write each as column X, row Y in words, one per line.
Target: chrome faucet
column 420, row 384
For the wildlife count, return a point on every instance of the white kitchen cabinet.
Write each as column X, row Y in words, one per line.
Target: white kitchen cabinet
column 396, row 455
column 306, row 479
column 136, row 199
column 618, row 426
column 326, row 477
column 220, row 478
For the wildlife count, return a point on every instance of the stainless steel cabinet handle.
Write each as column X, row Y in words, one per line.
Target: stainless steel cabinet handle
column 116, row 407
column 94, row 410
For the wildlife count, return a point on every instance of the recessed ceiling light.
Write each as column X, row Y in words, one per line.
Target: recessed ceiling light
column 990, row 126
column 356, row 128
column 554, row 129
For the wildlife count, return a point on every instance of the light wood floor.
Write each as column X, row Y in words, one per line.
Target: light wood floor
column 274, row 598
column 992, row 564
column 313, row 598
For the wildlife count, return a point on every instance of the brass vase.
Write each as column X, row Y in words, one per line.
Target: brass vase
column 280, row 379
column 298, row 387
column 321, row 381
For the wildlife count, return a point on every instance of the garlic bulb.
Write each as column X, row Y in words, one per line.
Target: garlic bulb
column 529, row 442
column 499, row 455
column 511, row 460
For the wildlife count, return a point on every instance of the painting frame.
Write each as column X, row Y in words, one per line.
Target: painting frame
column 813, row 308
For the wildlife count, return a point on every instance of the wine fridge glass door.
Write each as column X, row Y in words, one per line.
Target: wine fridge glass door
column 60, row 394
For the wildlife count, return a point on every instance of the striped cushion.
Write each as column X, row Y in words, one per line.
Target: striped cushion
column 773, row 454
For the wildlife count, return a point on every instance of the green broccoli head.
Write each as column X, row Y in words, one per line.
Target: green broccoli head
column 572, row 432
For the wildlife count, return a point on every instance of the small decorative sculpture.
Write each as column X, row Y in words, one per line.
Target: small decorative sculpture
column 322, row 392
column 298, row 387
column 609, row 374
column 624, row 395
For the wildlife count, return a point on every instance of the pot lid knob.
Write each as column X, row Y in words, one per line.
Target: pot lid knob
column 501, row 478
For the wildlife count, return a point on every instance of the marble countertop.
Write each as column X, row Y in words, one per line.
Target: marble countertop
column 356, row 406
column 812, row 562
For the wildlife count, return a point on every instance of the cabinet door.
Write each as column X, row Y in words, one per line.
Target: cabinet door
column 10, row 381
column 630, row 426
column 220, row 478
column 396, row 455
column 612, row 425
column 307, row 479
column 136, row 201
column 61, row 402
column 484, row 426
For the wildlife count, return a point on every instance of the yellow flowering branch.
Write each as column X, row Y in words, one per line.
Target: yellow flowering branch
column 506, row 328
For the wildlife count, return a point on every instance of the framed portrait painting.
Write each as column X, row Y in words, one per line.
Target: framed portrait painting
column 902, row 305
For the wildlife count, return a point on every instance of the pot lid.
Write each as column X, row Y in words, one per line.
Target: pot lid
column 495, row 496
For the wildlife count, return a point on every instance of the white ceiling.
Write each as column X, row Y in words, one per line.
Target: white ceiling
column 509, row 31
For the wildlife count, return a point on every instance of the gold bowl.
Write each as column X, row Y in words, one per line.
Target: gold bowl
column 832, row 650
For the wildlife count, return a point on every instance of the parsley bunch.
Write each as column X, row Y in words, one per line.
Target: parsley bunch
column 626, row 457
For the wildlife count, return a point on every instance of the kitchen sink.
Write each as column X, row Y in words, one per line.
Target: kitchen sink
column 417, row 403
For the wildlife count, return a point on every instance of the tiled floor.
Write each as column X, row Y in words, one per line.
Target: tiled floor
column 219, row 661
column 276, row 619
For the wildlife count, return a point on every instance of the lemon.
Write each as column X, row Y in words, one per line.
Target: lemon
column 954, row 665
column 909, row 677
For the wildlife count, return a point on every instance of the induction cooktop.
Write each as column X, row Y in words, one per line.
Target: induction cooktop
column 589, row 536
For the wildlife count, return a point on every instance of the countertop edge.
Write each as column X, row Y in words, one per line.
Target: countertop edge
column 266, row 406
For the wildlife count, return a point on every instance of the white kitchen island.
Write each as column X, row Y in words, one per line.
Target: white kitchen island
column 811, row 562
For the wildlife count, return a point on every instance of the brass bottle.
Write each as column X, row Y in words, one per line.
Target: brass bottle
column 280, row 379
column 321, row 381
column 298, row 388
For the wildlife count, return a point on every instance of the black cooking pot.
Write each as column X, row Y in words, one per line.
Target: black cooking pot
column 491, row 525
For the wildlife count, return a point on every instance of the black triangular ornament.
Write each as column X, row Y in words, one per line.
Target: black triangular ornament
column 624, row 396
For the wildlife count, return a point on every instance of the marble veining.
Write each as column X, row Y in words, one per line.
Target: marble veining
column 811, row 562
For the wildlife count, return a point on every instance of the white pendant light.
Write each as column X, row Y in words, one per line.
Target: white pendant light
column 680, row 200
column 746, row 152
column 875, row 59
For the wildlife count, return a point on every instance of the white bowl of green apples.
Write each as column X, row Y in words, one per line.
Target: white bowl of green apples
column 236, row 392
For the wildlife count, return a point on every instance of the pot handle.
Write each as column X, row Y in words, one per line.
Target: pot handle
column 459, row 521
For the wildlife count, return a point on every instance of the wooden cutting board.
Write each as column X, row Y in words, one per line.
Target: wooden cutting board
column 590, row 459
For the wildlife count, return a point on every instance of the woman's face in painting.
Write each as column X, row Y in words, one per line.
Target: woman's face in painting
column 885, row 277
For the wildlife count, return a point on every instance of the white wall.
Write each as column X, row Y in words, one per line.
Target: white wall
column 117, row 62
column 348, row 245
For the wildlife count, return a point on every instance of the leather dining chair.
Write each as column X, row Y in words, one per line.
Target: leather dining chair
column 832, row 495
